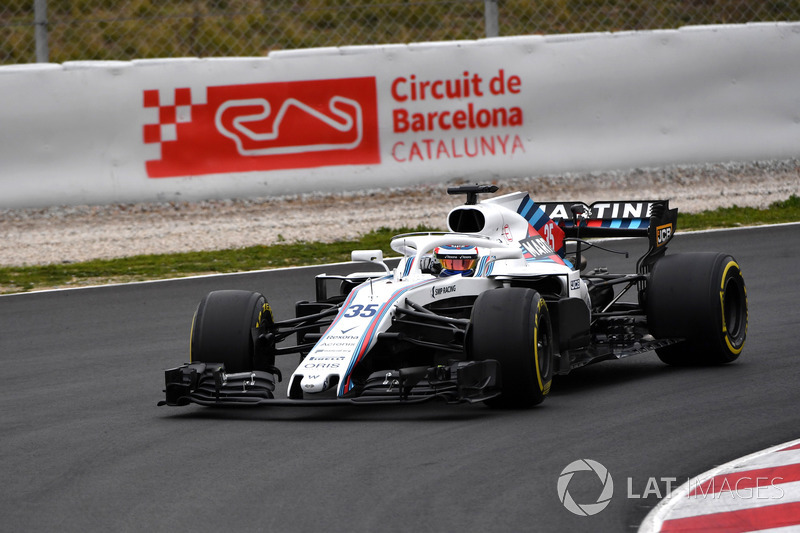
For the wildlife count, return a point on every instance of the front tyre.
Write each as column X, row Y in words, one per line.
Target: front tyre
column 512, row 325
column 700, row 297
column 226, row 329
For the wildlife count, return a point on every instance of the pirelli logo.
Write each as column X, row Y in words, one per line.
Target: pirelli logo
column 663, row 234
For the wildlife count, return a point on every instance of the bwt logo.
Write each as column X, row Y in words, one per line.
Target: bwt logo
column 263, row 126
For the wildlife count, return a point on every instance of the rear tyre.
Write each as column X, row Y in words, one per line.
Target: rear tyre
column 226, row 328
column 512, row 325
column 700, row 297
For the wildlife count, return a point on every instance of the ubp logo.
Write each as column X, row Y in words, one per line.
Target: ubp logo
column 585, row 509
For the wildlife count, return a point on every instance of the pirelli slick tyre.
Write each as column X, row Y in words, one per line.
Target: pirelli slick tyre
column 226, row 328
column 702, row 298
column 512, row 325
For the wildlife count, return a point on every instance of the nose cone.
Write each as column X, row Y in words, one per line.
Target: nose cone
column 314, row 384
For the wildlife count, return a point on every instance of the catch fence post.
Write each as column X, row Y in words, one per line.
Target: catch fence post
column 40, row 21
column 490, row 13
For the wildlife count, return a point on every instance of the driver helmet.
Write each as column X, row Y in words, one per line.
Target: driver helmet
column 457, row 259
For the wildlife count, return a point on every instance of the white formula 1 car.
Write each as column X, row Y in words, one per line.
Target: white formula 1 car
column 488, row 312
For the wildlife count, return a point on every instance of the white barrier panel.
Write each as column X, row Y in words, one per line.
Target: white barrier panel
column 355, row 117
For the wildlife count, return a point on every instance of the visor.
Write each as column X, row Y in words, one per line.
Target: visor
column 462, row 264
column 457, row 258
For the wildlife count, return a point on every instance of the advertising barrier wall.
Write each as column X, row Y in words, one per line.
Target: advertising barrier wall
column 357, row 117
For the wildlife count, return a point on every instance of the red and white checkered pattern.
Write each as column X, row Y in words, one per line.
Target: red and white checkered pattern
column 759, row 492
column 174, row 107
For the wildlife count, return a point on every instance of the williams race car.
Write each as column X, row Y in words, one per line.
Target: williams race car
column 487, row 312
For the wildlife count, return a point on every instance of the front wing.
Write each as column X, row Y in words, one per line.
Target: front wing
column 208, row 384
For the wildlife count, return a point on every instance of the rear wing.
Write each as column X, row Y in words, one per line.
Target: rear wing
column 608, row 219
column 641, row 218
column 614, row 219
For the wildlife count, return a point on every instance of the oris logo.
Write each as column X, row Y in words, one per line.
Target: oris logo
column 663, row 234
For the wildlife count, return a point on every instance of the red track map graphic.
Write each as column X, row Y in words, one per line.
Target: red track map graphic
column 264, row 126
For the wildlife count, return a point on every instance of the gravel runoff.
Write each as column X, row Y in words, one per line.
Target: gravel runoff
column 80, row 233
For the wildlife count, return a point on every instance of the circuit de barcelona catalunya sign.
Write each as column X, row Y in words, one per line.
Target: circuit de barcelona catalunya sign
column 263, row 126
column 467, row 116
column 426, row 118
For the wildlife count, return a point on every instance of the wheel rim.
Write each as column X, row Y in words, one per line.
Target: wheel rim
column 543, row 343
column 734, row 309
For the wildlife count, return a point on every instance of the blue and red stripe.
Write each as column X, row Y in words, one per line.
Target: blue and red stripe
column 407, row 269
column 366, row 338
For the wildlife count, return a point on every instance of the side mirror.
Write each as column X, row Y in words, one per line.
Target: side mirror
column 369, row 256
column 506, row 253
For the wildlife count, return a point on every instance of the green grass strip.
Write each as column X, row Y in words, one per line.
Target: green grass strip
column 145, row 267
column 731, row 217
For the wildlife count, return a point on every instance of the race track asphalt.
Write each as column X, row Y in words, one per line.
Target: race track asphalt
column 84, row 447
